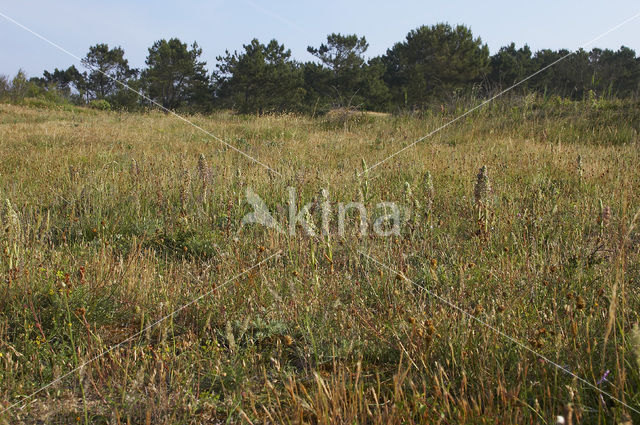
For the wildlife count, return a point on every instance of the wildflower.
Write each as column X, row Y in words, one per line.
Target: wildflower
column 408, row 199
column 231, row 341
column 202, row 165
column 604, row 377
column 635, row 342
column 11, row 220
column 579, row 167
column 134, row 169
column 483, row 186
column 288, row 341
column 186, row 187
column 73, row 173
column 408, row 194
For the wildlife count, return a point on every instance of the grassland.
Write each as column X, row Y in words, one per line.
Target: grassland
column 112, row 221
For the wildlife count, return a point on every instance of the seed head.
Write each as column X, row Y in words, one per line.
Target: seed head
column 134, row 169
column 11, row 221
column 408, row 194
column 635, row 342
column 579, row 167
column 202, row 164
column 365, row 169
column 73, row 173
column 482, row 189
column 204, row 170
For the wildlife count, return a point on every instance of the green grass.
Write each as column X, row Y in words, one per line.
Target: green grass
column 109, row 225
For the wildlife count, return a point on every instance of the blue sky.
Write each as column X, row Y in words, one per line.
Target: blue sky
column 218, row 25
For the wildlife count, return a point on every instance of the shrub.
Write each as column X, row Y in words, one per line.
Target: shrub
column 4, row 86
column 100, row 104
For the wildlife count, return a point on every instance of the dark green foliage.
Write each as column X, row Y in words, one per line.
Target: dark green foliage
column 100, row 104
column 615, row 73
column 344, row 78
column 262, row 78
column 440, row 66
column 511, row 65
column 107, row 71
column 435, row 61
column 175, row 76
column 62, row 80
column 19, row 86
column 107, row 75
column 342, row 52
column 598, row 73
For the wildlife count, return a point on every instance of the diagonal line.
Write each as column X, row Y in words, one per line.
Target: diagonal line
column 137, row 334
column 57, row 46
column 447, row 124
column 499, row 332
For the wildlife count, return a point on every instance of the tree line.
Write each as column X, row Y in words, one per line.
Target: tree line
column 432, row 65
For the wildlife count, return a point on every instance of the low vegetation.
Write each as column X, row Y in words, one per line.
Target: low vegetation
column 111, row 221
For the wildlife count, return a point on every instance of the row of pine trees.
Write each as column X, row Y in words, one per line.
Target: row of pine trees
column 432, row 65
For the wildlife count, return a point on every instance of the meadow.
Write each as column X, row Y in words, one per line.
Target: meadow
column 111, row 221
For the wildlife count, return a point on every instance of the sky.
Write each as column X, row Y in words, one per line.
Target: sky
column 219, row 25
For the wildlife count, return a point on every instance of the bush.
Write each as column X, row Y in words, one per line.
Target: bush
column 100, row 104
column 4, row 86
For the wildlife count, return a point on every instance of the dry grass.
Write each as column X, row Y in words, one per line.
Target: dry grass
column 112, row 221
